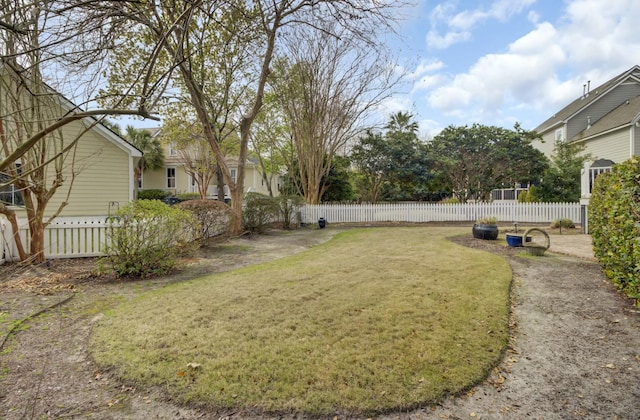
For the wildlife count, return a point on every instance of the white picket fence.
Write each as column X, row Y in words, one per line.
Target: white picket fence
column 72, row 237
column 435, row 212
column 65, row 237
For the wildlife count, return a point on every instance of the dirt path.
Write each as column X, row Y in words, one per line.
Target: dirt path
column 575, row 350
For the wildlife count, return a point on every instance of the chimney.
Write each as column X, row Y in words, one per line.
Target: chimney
column 584, row 91
column 588, row 87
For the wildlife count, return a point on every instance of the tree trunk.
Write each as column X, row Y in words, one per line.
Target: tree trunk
column 36, row 248
column 11, row 216
column 220, row 183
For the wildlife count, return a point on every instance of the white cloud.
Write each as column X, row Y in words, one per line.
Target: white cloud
column 496, row 79
column 459, row 25
column 602, row 35
column 533, row 76
column 423, row 77
column 392, row 105
column 441, row 42
column 424, row 67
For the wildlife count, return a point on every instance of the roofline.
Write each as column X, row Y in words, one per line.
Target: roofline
column 602, row 133
column 621, row 77
column 91, row 121
column 94, row 122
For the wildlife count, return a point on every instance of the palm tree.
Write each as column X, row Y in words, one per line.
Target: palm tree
column 402, row 122
column 152, row 153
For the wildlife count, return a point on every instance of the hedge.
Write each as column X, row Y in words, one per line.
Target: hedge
column 614, row 223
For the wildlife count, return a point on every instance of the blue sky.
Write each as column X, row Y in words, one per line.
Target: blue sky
column 505, row 61
column 497, row 62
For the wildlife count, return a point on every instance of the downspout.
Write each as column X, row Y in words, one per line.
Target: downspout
column 133, row 189
column 635, row 123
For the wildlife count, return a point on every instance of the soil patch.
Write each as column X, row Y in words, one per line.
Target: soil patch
column 574, row 351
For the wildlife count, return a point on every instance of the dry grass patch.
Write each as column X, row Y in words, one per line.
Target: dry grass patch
column 372, row 321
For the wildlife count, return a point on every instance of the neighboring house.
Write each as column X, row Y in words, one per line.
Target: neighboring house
column 174, row 178
column 103, row 165
column 606, row 120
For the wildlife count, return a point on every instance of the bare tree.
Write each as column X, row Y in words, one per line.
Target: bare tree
column 222, row 54
column 193, row 150
column 43, row 46
column 328, row 85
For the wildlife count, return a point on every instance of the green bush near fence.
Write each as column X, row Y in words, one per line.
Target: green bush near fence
column 145, row 237
column 259, row 212
column 614, row 220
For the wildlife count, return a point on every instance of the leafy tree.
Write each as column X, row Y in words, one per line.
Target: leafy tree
column 193, row 151
column 371, row 157
column 271, row 143
column 561, row 181
column 392, row 165
column 338, row 185
column 409, row 168
column 152, row 153
column 217, row 57
column 472, row 161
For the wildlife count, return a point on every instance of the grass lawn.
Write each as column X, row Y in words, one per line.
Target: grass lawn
column 375, row 320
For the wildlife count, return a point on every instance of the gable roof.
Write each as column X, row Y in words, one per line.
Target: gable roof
column 96, row 124
column 584, row 101
column 624, row 115
column 90, row 121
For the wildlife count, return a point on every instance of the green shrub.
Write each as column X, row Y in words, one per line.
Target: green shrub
column 288, row 206
column 523, row 196
column 532, row 194
column 564, row 222
column 529, row 196
column 145, row 237
column 614, row 223
column 259, row 212
column 152, row 194
column 188, row 196
column 451, row 200
column 214, row 216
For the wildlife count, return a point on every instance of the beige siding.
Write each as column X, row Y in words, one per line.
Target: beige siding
column 102, row 175
column 615, row 146
column 155, row 180
column 102, row 165
column 546, row 146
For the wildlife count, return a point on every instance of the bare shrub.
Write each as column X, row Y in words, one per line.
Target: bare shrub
column 215, row 216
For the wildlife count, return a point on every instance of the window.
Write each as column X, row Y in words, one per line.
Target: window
column 171, row 177
column 234, row 175
column 140, row 180
column 172, row 150
column 9, row 194
column 559, row 134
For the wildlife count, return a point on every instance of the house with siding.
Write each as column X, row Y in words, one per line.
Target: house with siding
column 101, row 165
column 605, row 119
column 175, row 179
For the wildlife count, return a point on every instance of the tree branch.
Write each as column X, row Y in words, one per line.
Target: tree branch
column 24, row 147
